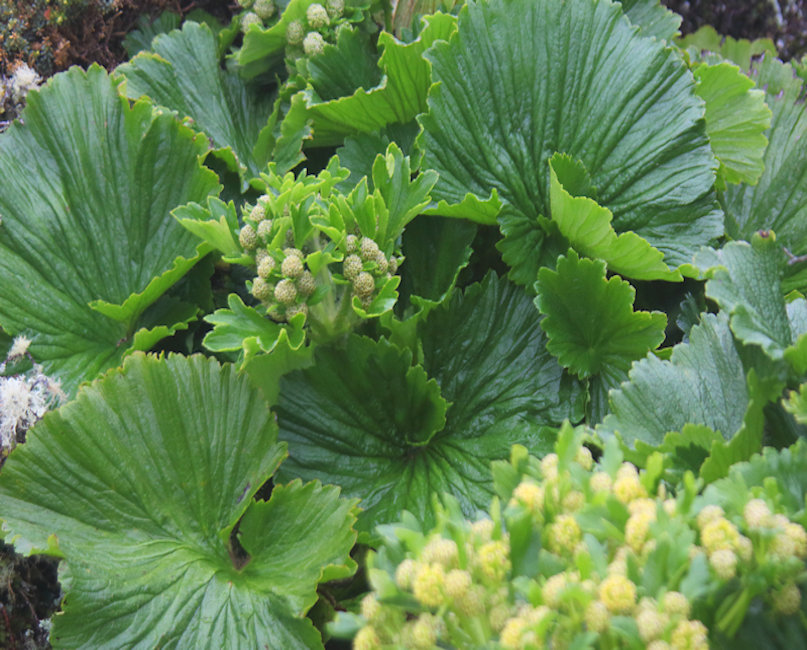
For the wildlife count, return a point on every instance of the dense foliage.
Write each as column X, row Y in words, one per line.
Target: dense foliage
column 470, row 325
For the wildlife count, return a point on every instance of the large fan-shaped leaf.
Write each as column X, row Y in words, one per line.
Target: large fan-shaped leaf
column 591, row 325
column 779, row 200
column 182, row 72
column 652, row 18
column 87, row 242
column 367, row 419
column 399, row 97
column 138, row 484
column 523, row 79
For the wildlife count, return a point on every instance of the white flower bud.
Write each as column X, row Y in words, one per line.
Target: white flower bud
column 317, row 16
column 248, row 19
column 264, row 8
column 313, row 44
column 286, row 292
column 364, row 285
column 266, row 266
column 295, row 32
column 248, row 238
column 292, row 267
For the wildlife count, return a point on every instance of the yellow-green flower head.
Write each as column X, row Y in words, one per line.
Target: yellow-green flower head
column 250, row 18
column 293, row 310
column 549, row 467
column 670, row 506
column 261, row 289
column 248, row 238
column 306, row 284
column 573, row 501
column 498, row 616
column 286, row 292
column 797, row 534
column 600, row 482
column 690, row 635
column 709, row 514
column 642, row 506
column 675, row 603
column 351, row 267
column 425, row 631
column 366, row 639
column 369, row 249
column 494, row 559
column 317, row 16
column 564, row 535
column 719, row 534
column 335, row 8
column 291, row 251
column 724, row 563
column 584, row 458
column 441, row 550
column 787, row 600
column 512, row 632
column 429, row 585
column 637, row 529
column 364, row 285
column 530, row 495
column 370, row 607
column 658, row 644
column 482, row 530
column 651, row 624
column 627, row 486
column 458, row 582
column 352, row 244
column 313, row 43
column 618, row 594
column 472, row 603
column 553, row 589
column 295, row 32
column 264, row 8
column 756, row 513
column 258, row 213
column 265, row 229
column 597, row 617
column 292, row 267
column 405, row 573
column 745, row 549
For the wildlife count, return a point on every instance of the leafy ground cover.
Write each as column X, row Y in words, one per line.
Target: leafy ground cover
column 420, row 325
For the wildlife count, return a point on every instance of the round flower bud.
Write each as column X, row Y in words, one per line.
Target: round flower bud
column 549, row 467
column 498, row 617
column 313, row 43
column 564, row 535
column 248, row 19
column 530, row 495
column 293, row 252
column 352, row 243
column 261, row 289
column 618, row 594
column 335, row 8
column 553, row 589
column 366, row 639
column 248, row 238
column 458, row 582
column 745, row 549
column 364, row 285
column 787, row 600
column 428, row 586
column 369, row 249
column 471, row 603
column 286, row 292
column 670, row 506
column 719, row 534
column 265, row 230
column 600, row 482
column 393, row 265
column 651, row 625
column 441, row 550
column 708, row 514
column 351, row 267
column 642, row 506
column 370, row 607
column 292, row 267
column 756, row 513
column 637, row 528
column 482, row 529
column 424, row 632
column 381, row 262
column 260, row 255
column 306, row 284
column 246, row 4
column 295, row 32
column 724, row 562
column 258, row 213
column 798, row 536
column 597, row 617
column 293, row 310
column 584, row 458
column 264, row 8
column 494, row 560
column 405, row 573
column 627, row 470
column 266, row 266
column 573, row 501
column 658, row 645
column 690, row 635
column 675, row 603
column 317, row 16
column 512, row 632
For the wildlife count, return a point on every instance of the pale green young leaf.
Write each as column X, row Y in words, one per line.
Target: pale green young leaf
column 89, row 184
column 736, row 120
column 150, row 562
column 652, row 18
column 739, row 51
column 523, row 79
column 182, row 73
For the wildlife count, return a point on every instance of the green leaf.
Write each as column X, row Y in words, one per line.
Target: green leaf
column 89, row 183
column 523, row 79
column 779, row 200
column 217, row 225
column 399, row 97
column 370, row 421
column 359, row 151
column 652, row 18
column 703, row 383
column 183, row 74
column 744, row 279
column 587, row 226
column 342, row 68
column 139, row 39
column 138, row 485
column 590, row 323
column 736, row 119
column 738, row 51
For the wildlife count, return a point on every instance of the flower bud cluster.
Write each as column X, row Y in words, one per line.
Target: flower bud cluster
column 366, row 267
column 602, row 527
column 258, row 12
column 308, row 35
